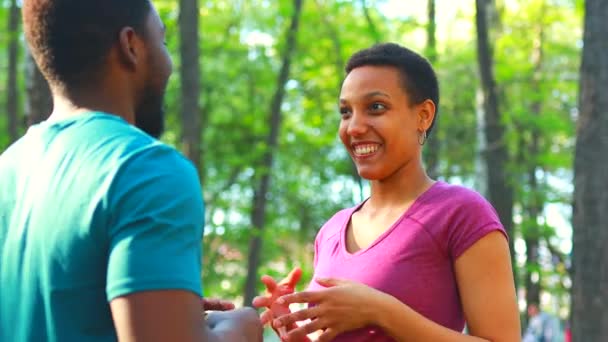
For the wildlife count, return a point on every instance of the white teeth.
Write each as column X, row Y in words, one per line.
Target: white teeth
column 366, row 149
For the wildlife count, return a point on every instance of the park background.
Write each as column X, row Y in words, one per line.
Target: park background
column 253, row 103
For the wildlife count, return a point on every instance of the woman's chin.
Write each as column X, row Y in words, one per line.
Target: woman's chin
column 369, row 174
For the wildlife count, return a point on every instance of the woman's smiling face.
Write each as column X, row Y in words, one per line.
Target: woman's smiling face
column 379, row 126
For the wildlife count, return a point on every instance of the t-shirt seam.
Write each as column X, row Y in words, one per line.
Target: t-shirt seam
column 334, row 233
column 479, row 233
column 125, row 163
column 432, row 236
column 324, row 236
column 128, row 287
column 138, row 284
column 411, row 211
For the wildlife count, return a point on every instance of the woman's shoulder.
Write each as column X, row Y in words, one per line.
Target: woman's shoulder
column 454, row 194
column 459, row 216
column 448, row 202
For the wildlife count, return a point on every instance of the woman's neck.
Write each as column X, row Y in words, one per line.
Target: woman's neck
column 400, row 188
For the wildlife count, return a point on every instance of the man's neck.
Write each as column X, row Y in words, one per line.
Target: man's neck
column 68, row 104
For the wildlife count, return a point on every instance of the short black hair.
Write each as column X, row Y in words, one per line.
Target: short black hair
column 70, row 39
column 417, row 75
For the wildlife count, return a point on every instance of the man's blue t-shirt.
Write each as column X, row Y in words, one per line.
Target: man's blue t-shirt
column 92, row 208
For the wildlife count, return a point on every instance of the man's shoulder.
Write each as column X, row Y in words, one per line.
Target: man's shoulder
column 97, row 146
column 82, row 136
column 108, row 138
column 105, row 130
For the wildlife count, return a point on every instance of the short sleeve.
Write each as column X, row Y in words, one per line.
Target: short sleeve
column 474, row 219
column 157, row 225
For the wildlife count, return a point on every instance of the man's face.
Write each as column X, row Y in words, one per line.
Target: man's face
column 149, row 111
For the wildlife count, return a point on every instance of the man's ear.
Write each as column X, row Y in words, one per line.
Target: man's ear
column 129, row 47
column 426, row 114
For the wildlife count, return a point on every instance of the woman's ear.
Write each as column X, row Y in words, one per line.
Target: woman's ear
column 426, row 114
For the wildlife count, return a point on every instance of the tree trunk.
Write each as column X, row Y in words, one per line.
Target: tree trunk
column 500, row 191
column 535, row 205
column 432, row 146
column 12, row 93
column 258, row 214
column 532, row 210
column 334, row 36
column 590, row 209
column 481, row 168
column 39, row 104
column 340, row 64
column 373, row 31
column 190, row 77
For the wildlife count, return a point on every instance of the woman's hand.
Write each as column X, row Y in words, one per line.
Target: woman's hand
column 275, row 290
column 343, row 306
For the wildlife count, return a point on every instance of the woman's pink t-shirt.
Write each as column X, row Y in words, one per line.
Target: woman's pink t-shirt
column 414, row 259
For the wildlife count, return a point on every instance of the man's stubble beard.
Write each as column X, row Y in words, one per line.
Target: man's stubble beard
column 150, row 112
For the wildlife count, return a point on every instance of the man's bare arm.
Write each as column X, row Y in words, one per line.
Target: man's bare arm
column 176, row 315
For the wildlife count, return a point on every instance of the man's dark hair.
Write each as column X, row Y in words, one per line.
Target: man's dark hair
column 417, row 75
column 70, row 39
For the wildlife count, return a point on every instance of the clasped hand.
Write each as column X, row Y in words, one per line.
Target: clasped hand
column 341, row 306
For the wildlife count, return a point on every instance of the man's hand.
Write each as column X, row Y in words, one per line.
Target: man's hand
column 236, row 325
column 214, row 304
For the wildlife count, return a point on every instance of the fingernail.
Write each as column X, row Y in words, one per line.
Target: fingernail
column 278, row 324
column 281, row 301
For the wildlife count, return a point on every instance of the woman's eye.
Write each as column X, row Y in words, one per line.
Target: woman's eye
column 377, row 107
column 344, row 111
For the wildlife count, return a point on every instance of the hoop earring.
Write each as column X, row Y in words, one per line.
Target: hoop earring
column 423, row 140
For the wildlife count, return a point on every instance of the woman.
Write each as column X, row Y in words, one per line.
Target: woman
column 419, row 257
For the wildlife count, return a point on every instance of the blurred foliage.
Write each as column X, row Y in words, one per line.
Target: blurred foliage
column 312, row 176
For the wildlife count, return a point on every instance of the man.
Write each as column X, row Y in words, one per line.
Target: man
column 100, row 223
column 542, row 327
